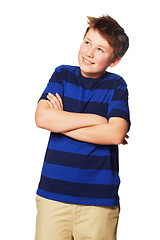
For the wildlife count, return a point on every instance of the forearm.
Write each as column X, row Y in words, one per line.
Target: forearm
column 61, row 121
column 93, row 134
column 104, row 134
column 89, row 128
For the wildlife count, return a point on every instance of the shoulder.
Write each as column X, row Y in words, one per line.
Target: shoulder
column 116, row 80
column 67, row 68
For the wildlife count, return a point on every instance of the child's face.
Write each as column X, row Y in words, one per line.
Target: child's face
column 95, row 55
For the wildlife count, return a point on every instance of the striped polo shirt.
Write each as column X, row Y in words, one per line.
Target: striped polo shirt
column 78, row 172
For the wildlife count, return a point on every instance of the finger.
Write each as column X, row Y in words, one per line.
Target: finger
column 54, row 100
column 124, row 142
column 60, row 100
column 50, row 104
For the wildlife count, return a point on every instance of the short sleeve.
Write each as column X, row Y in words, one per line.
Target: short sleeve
column 55, row 85
column 118, row 105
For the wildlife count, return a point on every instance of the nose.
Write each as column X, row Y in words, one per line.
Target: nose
column 90, row 53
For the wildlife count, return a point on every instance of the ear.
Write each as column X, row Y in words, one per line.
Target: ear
column 115, row 62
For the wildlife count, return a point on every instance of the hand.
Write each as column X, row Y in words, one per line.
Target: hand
column 124, row 142
column 55, row 101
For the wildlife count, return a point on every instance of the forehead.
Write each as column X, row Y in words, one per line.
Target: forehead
column 97, row 39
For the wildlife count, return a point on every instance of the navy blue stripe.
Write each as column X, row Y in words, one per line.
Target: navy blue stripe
column 59, row 142
column 78, row 189
column 120, row 94
column 68, row 68
column 71, row 105
column 108, row 81
column 83, row 161
column 78, row 200
column 56, row 78
column 119, row 113
column 84, row 107
column 93, row 95
column 78, row 175
column 105, row 83
column 43, row 96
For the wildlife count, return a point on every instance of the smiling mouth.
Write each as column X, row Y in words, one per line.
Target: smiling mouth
column 87, row 61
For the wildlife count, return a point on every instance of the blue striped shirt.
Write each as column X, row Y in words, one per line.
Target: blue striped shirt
column 79, row 172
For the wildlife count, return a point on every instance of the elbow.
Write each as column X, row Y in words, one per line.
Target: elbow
column 39, row 121
column 43, row 117
column 119, row 130
column 39, row 116
column 42, row 121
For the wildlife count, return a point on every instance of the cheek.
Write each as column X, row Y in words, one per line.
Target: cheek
column 82, row 49
column 80, row 52
column 102, row 61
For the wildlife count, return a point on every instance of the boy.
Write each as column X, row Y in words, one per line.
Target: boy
column 86, row 110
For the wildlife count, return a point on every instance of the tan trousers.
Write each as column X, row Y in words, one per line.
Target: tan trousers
column 62, row 221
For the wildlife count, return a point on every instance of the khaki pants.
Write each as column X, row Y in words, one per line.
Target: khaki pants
column 63, row 221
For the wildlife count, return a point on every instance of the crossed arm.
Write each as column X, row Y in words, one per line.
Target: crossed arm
column 90, row 128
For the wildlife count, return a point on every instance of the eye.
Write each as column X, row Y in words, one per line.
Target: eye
column 87, row 43
column 100, row 50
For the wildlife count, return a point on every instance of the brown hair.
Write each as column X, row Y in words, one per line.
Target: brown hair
column 110, row 30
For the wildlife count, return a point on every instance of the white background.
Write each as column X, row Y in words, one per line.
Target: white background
column 37, row 36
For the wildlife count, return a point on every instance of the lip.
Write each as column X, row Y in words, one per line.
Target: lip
column 86, row 61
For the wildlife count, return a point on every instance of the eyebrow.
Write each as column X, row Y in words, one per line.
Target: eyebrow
column 87, row 38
